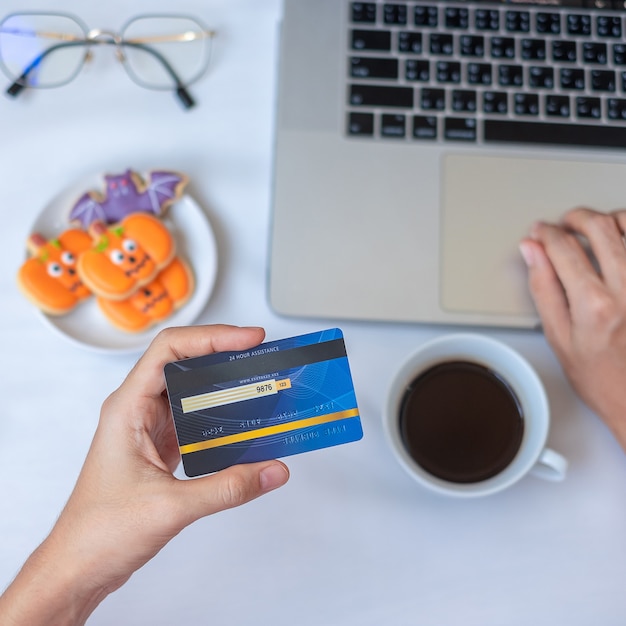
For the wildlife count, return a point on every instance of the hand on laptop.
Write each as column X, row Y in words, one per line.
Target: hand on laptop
column 581, row 300
column 127, row 504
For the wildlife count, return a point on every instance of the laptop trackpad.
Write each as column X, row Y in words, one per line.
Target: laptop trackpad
column 489, row 204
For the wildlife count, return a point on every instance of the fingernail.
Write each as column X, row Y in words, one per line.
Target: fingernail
column 528, row 254
column 273, row 476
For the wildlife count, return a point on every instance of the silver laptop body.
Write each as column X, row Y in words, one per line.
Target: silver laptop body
column 376, row 216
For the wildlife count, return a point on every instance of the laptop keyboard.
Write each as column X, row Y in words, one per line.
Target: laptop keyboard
column 487, row 73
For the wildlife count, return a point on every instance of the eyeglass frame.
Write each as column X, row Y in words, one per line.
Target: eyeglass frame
column 106, row 37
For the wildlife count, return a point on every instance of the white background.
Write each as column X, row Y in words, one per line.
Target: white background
column 351, row 539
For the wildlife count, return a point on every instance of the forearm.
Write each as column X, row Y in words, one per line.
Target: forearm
column 49, row 590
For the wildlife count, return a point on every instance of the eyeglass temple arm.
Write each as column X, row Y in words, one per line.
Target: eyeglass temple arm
column 22, row 81
column 181, row 91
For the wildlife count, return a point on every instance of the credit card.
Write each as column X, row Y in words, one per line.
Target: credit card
column 281, row 398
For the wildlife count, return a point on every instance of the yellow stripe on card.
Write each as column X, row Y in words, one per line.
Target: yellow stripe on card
column 269, row 430
column 234, row 394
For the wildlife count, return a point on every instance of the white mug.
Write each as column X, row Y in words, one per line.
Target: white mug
column 532, row 456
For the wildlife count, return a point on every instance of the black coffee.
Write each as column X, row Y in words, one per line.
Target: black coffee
column 461, row 422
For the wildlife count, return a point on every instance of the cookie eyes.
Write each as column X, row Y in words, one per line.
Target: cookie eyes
column 117, row 257
column 68, row 258
column 55, row 270
column 129, row 245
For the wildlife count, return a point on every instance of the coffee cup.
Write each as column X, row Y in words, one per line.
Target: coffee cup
column 466, row 415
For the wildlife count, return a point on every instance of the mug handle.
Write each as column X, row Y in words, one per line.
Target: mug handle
column 550, row 465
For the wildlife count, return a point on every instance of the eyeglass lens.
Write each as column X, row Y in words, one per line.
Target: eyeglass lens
column 153, row 46
column 46, row 50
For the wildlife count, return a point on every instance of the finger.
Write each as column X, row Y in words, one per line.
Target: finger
column 548, row 294
column 620, row 218
column 228, row 488
column 602, row 231
column 173, row 344
column 569, row 260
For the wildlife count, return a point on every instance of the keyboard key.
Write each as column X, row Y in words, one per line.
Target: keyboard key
column 623, row 80
column 509, row 131
column 603, row 80
column 495, row 102
column 463, row 101
column 361, row 124
column 425, row 16
column 541, row 77
column 517, row 21
column 370, row 67
column 424, row 127
column 526, row 104
column 441, row 44
column 410, row 42
column 456, row 17
column 616, row 109
column 371, row 40
column 557, row 106
column 433, row 99
column 619, row 54
column 564, row 51
column 510, row 75
column 487, row 19
column 548, row 23
column 460, row 129
column 595, row 53
column 502, row 47
column 588, row 107
column 364, row 12
column 417, row 70
column 609, row 26
column 392, row 126
column 533, row 49
column 395, row 14
column 479, row 73
column 578, row 24
column 370, row 95
column 572, row 78
column 448, row 72
column 472, row 45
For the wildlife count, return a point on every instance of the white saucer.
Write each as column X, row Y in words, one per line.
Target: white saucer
column 195, row 243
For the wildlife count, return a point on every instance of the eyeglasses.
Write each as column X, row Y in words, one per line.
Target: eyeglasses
column 165, row 52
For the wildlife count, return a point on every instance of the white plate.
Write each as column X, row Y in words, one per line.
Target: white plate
column 195, row 242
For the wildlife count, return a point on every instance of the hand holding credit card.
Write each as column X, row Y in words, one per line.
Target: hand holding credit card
column 281, row 398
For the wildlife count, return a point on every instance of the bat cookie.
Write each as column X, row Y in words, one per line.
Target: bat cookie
column 125, row 256
column 49, row 278
column 129, row 193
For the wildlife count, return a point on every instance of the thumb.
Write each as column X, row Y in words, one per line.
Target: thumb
column 229, row 488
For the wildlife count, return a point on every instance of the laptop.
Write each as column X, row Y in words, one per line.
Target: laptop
column 417, row 142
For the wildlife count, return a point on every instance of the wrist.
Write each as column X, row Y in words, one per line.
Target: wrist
column 50, row 589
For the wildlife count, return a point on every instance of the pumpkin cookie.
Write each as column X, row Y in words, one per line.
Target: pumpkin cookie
column 49, row 277
column 126, row 256
column 153, row 302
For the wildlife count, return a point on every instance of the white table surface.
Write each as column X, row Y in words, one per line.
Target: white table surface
column 351, row 540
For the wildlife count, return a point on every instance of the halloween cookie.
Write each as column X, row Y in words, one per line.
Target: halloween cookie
column 128, row 193
column 153, row 302
column 126, row 256
column 49, row 277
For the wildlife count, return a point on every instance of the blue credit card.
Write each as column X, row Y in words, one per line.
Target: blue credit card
column 281, row 398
